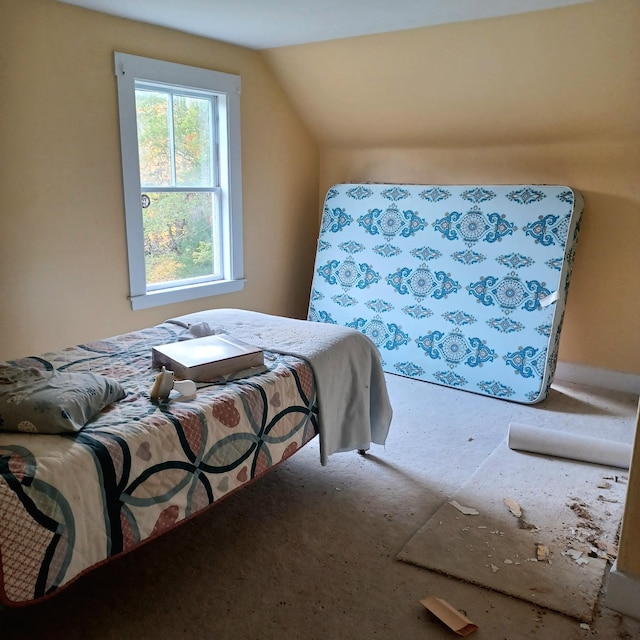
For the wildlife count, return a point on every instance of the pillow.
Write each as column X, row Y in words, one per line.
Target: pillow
column 37, row 401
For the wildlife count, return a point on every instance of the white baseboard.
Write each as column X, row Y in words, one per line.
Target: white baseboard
column 623, row 593
column 601, row 378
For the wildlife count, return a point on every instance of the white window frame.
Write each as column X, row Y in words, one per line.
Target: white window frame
column 128, row 70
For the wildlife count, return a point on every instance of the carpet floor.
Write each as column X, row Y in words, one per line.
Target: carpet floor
column 310, row 552
column 540, row 528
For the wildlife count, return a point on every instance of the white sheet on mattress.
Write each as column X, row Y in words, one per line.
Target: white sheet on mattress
column 354, row 405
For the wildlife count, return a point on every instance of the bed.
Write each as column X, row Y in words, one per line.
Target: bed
column 72, row 501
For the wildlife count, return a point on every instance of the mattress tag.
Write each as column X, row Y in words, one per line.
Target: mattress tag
column 550, row 299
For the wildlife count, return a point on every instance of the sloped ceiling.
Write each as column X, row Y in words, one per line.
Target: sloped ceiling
column 549, row 77
column 263, row 24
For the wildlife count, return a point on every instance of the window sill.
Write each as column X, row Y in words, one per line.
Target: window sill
column 183, row 294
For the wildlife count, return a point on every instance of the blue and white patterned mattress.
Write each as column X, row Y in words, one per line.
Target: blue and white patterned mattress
column 463, row 286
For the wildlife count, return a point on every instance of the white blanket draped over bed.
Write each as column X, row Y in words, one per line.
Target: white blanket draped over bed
column 345, row 362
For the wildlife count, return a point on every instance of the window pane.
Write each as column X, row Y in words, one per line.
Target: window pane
column 192, row 130
column 188, row 230
column 180, row 236
column 154, row 147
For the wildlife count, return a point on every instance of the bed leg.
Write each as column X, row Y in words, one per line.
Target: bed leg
column 362, row 452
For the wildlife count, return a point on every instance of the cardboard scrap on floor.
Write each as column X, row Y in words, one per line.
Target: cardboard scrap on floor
column 513, row 506
column 453, row 618
column 468, row 511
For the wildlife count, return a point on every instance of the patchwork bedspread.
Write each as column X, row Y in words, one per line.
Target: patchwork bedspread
column 70, row 502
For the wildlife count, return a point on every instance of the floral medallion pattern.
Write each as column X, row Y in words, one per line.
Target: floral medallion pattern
column 509, row 292
column 391, row 222
column 335, row 220
column 384, row 336
column 349, row 274
column 474, row 226
column 421, row 282
column 450, row 281
column 456, row 349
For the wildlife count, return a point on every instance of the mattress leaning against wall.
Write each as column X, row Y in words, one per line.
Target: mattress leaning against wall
column 463, row 286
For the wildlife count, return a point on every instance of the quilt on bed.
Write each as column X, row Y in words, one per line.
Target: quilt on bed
column 70, row 502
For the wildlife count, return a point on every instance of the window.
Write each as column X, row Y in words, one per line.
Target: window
column 180, row 143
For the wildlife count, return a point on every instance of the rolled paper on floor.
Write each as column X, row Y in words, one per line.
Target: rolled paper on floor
column 569, row 445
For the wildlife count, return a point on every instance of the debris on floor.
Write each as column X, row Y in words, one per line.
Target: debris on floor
column 449, row 615
column 580, row 509
column 468, row 511
column 576, row 556
column 513, row 506
column 527, row 526
column 516, row 510
column 606, row 548
column 542, row 552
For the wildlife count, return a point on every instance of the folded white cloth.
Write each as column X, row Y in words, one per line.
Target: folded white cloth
column 354, row 407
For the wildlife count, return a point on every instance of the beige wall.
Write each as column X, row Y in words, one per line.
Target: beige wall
column 63, row 263
column 546, row 97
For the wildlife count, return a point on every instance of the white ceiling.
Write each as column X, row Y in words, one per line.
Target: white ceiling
column 263, row 24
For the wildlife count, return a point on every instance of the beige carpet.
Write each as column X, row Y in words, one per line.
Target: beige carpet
column 309, row 552
column 563, row 513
